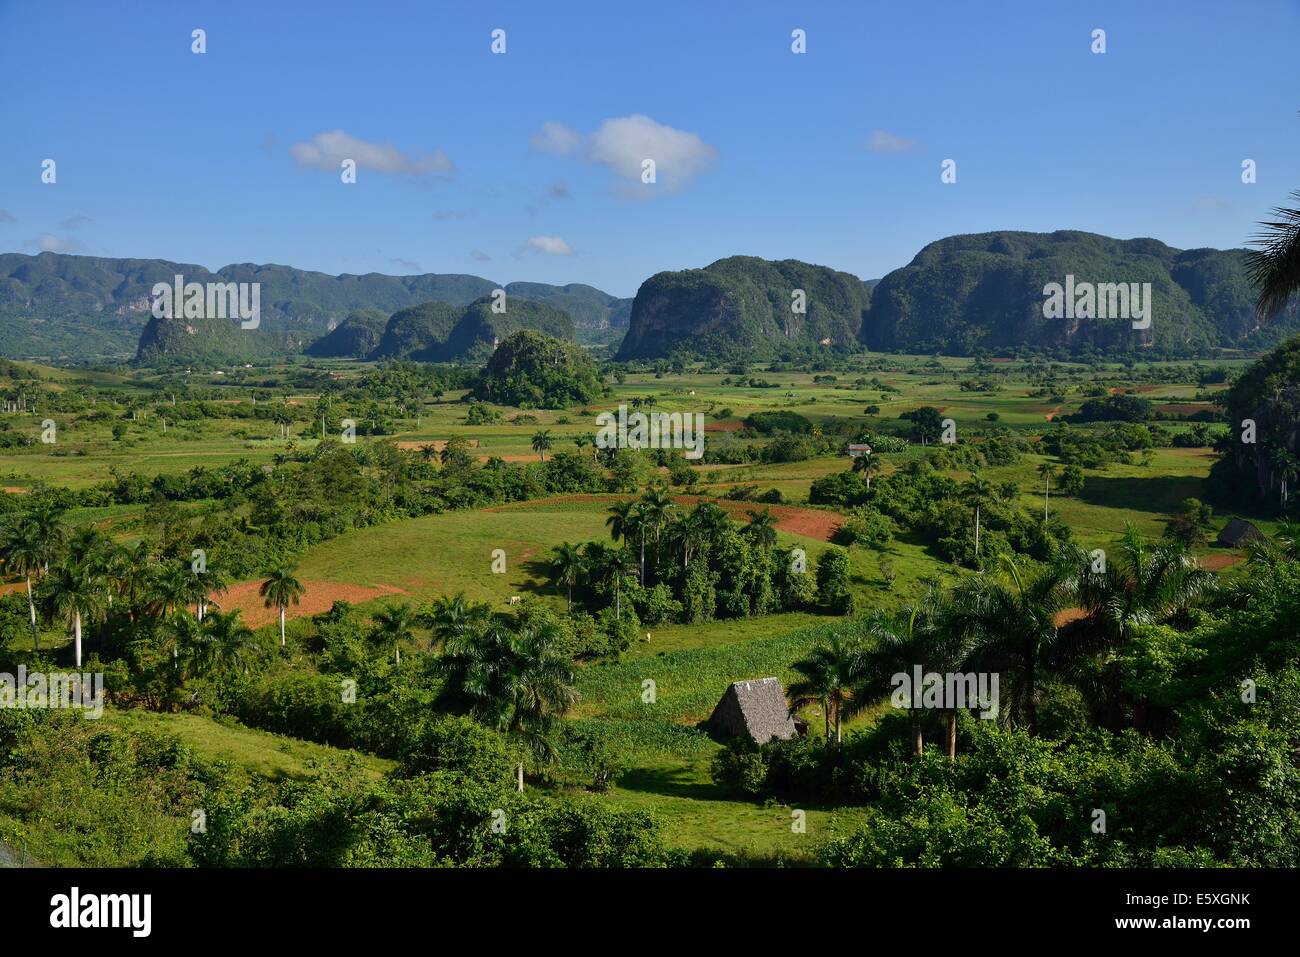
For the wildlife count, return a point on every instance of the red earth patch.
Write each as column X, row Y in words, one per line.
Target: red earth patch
column 319, row 597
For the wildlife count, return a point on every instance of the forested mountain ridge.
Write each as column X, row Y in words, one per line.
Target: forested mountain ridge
column 985, row 290
column 958, row 295
column 745, row 306
column 59, row 306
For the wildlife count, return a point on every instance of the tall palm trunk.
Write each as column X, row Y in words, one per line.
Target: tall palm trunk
column 918, row 742
column 826, row 713
column 519, row 777
column 977, row 535
column 31, row 607
column 281, row 626
column 952, row 734
column 643, row 558
column 76, row 635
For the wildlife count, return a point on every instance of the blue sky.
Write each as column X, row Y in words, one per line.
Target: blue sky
column 525, row 165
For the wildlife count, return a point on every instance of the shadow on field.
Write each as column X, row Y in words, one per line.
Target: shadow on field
column 678, row 782
column 1162, row 494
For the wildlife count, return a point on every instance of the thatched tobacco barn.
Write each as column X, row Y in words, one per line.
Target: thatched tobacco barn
column 756, row 709
column 1238, row 533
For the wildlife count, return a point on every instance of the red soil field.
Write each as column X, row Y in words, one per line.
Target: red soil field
column 319, row 597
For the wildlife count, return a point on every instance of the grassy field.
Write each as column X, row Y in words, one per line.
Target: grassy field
column 690, row 666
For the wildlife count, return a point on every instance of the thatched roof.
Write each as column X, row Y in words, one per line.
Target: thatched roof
column 755, row 708
column 1237, row 533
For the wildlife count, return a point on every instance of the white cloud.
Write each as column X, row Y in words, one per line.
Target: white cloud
column 49, row 243
column 883, row 141
column 551, row 245
column 552, row 137
column 328, row 150
column 621, row 145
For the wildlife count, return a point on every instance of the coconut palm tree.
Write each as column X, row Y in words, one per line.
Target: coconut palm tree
column 281, row 589
column 1274, row 267
column 829, row 675
column 569, row 567
column 77, row 593
column 520, row 683
column 541, row 442
column 393, row 626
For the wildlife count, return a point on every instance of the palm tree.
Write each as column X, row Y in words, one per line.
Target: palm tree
column 449, row 618
column 281, row 589
column 1048, row 471
column 1287, row 467
column 519, row 683
column 761, row 528
column 1274, row 267
column 23, row 552
column 394, row 626
column 568, row 567
column 223, row 642
column 428, row 452
column 541, row 442
column 1009, row 622
column 895, row 643
column 977, row 493
column 213, row 582
column 866, row 466
column 135, row 571
column 77, row 593
column 183, row 634
column 829, row 675
column 608, row 564
column 628, row 519
column 1145, row 584
column 176, row 589
column 657, row 503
